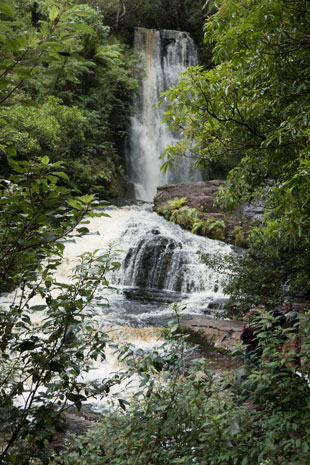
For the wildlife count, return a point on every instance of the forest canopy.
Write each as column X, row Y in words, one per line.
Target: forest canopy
column 64, row 91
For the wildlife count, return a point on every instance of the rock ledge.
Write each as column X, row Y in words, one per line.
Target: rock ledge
column 201, row 195
column 221, row 335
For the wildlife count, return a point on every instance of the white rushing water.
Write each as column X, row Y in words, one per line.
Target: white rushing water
column 159, row 265
column 164, row 55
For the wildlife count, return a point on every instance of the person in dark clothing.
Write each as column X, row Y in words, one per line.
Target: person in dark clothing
column 279, row 313
column 289, row 344
column 252, row 350
column 286, row 306
column 278, row 318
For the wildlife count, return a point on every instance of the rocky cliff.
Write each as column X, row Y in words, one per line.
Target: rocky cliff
column 200, row 197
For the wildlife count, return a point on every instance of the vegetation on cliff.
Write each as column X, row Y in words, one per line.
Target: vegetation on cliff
column 213, row 225
column 190, row 218
column 179, row 15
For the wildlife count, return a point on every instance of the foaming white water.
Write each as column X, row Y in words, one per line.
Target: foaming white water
column 104, row 231
column 159, row 265
column 165, row 55
column 146, row 339
column 135, row 339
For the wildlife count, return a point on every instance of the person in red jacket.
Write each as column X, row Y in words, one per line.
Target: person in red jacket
column 252, row 350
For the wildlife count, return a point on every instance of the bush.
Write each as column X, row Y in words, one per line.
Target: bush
column 184, row 216
column 239, row 237
column 40, row 363
column 177, row 211
column 177, row 202
column 215, row 229
column 197, row 418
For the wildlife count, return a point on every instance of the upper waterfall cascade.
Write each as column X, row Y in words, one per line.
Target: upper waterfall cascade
column 164, row 56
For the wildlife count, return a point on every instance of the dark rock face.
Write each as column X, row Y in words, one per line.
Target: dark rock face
column 201, row 196
column 150, row 261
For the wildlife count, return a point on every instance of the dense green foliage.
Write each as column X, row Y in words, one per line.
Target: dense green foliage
column 192, row 219
column 251, row 107
column 77, row 111
column 48, row 335
column 252, row 110
column 260, row 418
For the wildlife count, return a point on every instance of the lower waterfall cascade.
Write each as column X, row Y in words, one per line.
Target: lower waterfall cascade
column 159, row 265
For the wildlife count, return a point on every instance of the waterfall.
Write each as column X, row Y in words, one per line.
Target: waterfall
column 159, row 265
column 164, row 56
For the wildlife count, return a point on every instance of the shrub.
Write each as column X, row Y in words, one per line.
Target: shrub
column 239, row 236
column 215, row 229
column 177, row 202
column 40, row 363
column 184, row 216
column 198, row 227
column 164, row 211
column 197, row 418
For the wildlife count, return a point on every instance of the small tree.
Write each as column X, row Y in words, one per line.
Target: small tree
column 44, row 346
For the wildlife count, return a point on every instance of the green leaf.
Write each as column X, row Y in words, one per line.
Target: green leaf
column 7, row 10
column 75, row 204
column 13, row 45
column 80, row 28
column 45, row 160
column 305, row 447
column 61, row 174
column 38, row 308
column 56, row 366
column 29, row 102
column 26, row 345
column 4, row 83
column 123, row 403
column 54, row 12
column 55, row 46
column 83, row 230
column 87, row 199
